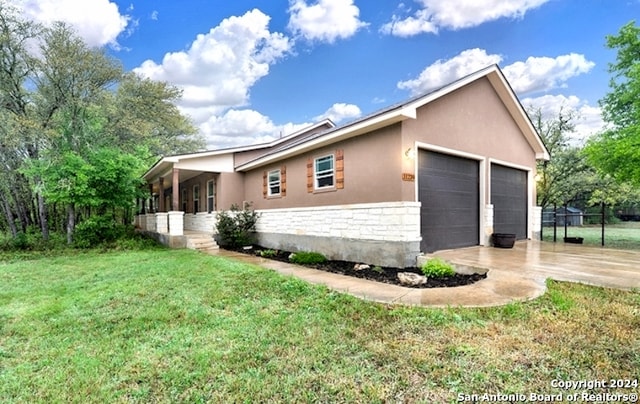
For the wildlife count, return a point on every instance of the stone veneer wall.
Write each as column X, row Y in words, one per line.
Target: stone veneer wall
column 202, row 221
column 386, row 234
column 536, row 222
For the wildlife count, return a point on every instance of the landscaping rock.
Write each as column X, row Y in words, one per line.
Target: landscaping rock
column 411, row 279
column 361, row 267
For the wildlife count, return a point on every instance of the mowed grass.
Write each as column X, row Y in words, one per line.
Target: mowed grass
column 625, row 235
column 180, row 326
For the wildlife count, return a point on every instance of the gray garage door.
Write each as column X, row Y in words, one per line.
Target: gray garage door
column 448, row 188
column 509, row 199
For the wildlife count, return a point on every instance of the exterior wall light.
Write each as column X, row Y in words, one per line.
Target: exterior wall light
column 410, row 153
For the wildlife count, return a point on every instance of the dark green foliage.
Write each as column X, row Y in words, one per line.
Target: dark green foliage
column 236, row 228
column 437, row 268
column 20, row 242
column 307, row 258
column 97, row 230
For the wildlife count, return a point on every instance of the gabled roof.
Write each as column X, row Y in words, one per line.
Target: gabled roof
column 408, row 110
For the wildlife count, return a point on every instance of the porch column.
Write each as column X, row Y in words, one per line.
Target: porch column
column 175, row 192
column 161, row 192
column 176, row 223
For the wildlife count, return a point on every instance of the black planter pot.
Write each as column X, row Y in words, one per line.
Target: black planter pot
column 574, row 240
column 503, row 240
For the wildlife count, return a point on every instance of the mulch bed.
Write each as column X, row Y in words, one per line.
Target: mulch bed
column 378, row 274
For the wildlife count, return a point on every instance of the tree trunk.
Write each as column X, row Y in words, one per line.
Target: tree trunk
column 7, row 211
column 71, row 222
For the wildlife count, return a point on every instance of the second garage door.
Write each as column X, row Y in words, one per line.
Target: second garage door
column 448, row 188
column 509, row 199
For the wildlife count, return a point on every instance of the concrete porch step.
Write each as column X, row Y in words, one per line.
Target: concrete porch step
column 201, row 242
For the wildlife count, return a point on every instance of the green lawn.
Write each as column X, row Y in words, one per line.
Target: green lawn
column 624, row 235
column 180, row 326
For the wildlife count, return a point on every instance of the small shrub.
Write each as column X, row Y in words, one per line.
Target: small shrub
column 236, row 227
column 268, row 253
column 378, row 269
column 437, row 268
column 21, row 242
column 97, row 230
column 307, row 258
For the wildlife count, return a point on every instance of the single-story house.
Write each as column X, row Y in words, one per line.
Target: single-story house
column 439, row 171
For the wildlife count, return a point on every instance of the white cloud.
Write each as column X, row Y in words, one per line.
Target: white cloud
column 154, row 15
column 217, row 71
column 244, row 127
column 545, row 73
column 443, row 72
column 455, row 14
column 98, row 22
column 536, row 74
column 588, row 119
column 339, row 112
column 324, row 20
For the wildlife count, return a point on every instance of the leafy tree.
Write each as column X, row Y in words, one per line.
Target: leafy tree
column 76, row 131
column 616, row 151
column 567, row 174
column 143, row 112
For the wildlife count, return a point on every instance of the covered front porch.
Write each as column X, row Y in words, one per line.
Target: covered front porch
column 183, row 193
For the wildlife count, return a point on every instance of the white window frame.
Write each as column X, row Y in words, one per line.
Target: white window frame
column 328, row 173
column 272, row 184
column 196, row 198
column 211, row 202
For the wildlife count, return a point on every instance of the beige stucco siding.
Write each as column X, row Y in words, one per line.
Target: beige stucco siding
column 471, row 120
column 372, row 173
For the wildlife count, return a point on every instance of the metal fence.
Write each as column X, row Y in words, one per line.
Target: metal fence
column 564, row 217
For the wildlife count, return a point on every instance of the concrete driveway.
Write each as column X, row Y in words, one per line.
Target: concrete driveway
column 513, row 274
column 560, row 261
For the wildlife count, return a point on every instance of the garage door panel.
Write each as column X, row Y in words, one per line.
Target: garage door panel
column 449, row 193
column 510, row 200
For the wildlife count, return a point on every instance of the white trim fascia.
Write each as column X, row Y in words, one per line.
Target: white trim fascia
column 508, row 164
column 529, row 131
column 447, row 150
column 380, row 121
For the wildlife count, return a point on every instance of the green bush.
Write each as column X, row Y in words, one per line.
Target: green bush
column 97, row 230
column 268, row 253
column 236, row 228
column 21, row 242
column 437, row 268
column 307, row 258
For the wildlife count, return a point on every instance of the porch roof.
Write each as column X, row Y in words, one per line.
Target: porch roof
column 220, row 160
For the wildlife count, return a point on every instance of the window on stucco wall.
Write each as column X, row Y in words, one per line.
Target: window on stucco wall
column 196, row 198
column 323, row 172
column 326, row 172
column 211, row 194
column 274, row 183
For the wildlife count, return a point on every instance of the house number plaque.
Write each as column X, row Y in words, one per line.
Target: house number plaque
column 408, row 177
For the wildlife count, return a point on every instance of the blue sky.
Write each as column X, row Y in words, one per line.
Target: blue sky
column 254, row 69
